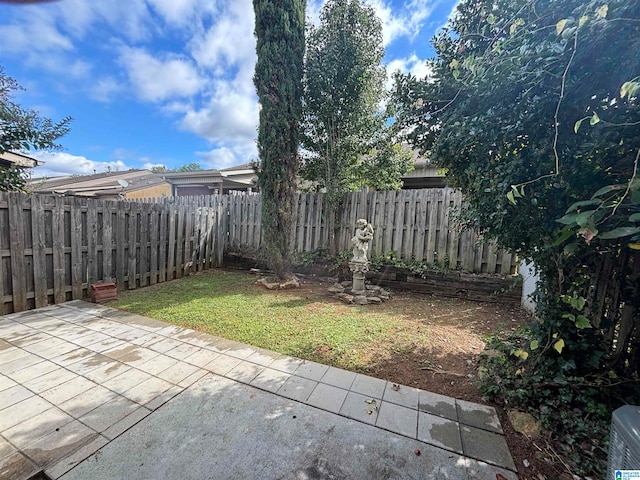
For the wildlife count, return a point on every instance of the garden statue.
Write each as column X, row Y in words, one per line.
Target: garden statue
column 360, row 241
column 359, row 263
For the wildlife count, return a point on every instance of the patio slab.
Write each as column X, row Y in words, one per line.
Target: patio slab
column 206, row 404
column 268, row 438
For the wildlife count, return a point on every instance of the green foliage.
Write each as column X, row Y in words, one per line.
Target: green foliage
column 347, row 139
column 340, row 266
column 22, row 129
column 12, row 179
column 417, row 267
column 500, row 108
column 576, row 409
column 306, row 259
column 279, row 29
column 189, row 167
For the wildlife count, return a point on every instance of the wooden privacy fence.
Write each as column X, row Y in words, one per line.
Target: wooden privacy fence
column 53, row 248
column 418, row 225
column 413, row 224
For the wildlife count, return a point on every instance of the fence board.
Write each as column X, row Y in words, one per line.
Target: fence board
column 480, row 255
column 39, row 252
column 153, row 243
column 257, row 207
column 302, row 212
column 59, row 270
column 180, row 242
column 377, row 199
column 121, row 244
column 467, row 258
column 421, row 225
column 173, row 220
column 221, row 233
column 188, row 231
column 92, row 241
column 319, row 240
column 491, row 258
column 4, row 226
column 162, row 253
column 76, row 249
column 143, row 254
column 107, row 241
column 443, row 226
column 16, row 246
column 452, row 236
column 408, row 234
column 200, row 239
column 210, row 235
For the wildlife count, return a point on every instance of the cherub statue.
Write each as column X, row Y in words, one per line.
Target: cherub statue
column 360, row 241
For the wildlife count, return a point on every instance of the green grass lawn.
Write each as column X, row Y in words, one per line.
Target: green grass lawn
column 304, row 322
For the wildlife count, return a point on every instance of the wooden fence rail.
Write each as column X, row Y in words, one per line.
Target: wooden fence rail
column 53, row 248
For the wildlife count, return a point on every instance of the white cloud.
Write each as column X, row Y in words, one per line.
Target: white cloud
column 228, row 116
column 61, row 163
column 33, row 35
column 399, row 19
column 129, row 19
column 105, row 89
column 313, row 10
column 62, row 65
column 228, row 156
column 412, row 64
column 177, row 12
column 229, row 42
column 406, row 21
column 220, row 158
column 150, row 165
column 160, row 79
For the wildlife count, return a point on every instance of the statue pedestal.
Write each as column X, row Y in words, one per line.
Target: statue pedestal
column 359, row 269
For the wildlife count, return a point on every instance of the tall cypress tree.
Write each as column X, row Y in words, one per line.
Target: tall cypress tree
column 279, row 29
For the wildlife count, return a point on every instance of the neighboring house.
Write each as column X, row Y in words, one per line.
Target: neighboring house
column 20, row 160
column 244, row 177
column 423, row 175
column 241, row 178
column 197, row 182
column 132, row 184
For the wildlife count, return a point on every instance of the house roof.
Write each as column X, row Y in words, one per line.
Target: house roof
column 196, row 177
column 97, row 185
column 19, row 160
column 244, row 166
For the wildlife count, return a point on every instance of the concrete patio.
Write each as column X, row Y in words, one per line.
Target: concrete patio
column 87, row 391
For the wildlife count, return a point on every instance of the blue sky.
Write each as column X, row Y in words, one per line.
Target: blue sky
column 163, row 82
